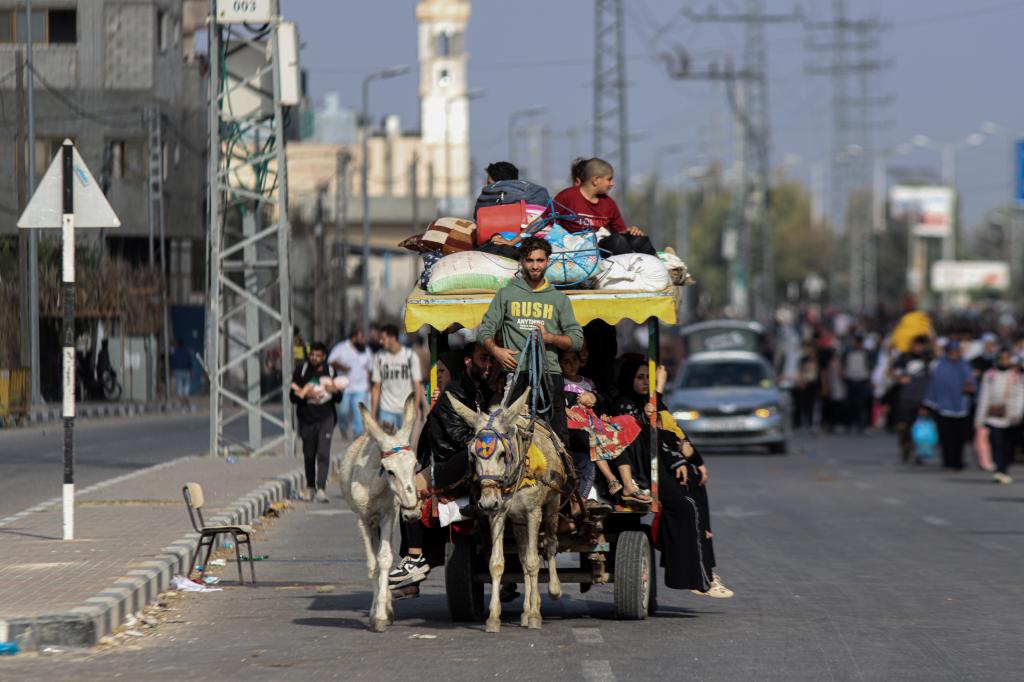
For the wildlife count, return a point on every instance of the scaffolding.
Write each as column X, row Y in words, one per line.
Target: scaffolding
column 249, row 323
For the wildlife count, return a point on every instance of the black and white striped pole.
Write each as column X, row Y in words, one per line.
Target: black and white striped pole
column 68, row 332
column 68, row 197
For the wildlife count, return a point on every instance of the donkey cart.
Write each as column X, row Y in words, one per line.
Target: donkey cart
column 617, row 549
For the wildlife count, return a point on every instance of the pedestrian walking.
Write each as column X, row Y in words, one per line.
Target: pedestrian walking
column 949, row 393
column 315, row 394
column 353, row 360
column 181, row 367
column 856, row 373
column 808, row 387
column 396, row 375
column 910, row 371
column 1000, row 409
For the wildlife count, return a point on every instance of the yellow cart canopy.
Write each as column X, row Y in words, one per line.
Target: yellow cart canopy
column 441, row 311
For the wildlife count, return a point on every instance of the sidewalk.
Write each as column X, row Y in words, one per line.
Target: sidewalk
column 53, row 412
column 132, row 535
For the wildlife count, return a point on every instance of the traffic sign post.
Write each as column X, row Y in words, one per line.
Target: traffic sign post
column 68, row 197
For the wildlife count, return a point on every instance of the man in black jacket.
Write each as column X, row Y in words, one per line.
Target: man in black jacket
column 315, row 395
column 443, row 453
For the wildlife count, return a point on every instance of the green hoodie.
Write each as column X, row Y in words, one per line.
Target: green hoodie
column 516, row 309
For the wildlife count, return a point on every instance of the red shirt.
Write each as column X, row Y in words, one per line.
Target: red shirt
column 605, row 213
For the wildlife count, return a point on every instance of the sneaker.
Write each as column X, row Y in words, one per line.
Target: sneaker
column 1001, row 478
column 310, row 494
column 718, row 590
column 411, row 570
column 321, row 496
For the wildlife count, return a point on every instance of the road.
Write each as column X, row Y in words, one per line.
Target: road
column 846, row 566
column 31, row 459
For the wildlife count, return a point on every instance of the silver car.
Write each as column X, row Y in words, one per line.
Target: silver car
column 729, row 398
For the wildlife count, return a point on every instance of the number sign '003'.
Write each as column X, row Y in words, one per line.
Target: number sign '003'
column 244, row 11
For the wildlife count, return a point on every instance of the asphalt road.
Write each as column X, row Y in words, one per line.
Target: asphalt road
column 846, row 566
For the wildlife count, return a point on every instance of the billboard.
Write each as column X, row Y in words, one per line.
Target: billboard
column 928, row 210
column 1020, row 172
column 970, row 275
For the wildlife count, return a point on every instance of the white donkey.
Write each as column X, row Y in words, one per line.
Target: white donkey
column 378, row 477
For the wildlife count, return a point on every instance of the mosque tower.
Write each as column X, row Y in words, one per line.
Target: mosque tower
column 444, row 108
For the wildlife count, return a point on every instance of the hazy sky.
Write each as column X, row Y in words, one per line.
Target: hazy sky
column 957, row 63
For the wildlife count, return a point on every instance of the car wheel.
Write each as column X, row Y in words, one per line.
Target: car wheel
column 777, row 448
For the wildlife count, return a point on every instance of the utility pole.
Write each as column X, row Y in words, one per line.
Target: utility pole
column 747, row 92
column 25, row 356
column 248, row 185
column 611, row 136
column 35, row 390
column 344, row 158
column 155, row 183
column 852, row 44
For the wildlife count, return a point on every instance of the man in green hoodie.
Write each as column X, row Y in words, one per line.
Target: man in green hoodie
column 526, row 303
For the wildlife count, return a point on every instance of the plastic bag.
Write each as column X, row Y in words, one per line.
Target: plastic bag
column 925, row 436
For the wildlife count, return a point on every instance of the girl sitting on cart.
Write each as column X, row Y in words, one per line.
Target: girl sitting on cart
column 596, row 440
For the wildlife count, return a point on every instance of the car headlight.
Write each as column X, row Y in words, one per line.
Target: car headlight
column 765, row 412
column 686, row 415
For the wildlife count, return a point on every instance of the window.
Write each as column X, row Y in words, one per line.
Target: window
column 63, row 26
column 442, row 44
column 444, row 78
column 128, row 159
column 46, row 147
column 49, row 26
column 163, row 27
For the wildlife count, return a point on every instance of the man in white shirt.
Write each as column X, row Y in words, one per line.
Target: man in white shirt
column 352, row 359
column 396, row 375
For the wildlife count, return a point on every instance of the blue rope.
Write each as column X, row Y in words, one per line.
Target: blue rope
column 532, row 359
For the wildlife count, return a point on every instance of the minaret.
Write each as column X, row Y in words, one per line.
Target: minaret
column 443, row 105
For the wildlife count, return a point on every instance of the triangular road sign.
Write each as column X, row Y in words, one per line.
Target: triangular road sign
column 91, row 208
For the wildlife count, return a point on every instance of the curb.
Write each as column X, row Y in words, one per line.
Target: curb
column 47, row 415
column 98, row 616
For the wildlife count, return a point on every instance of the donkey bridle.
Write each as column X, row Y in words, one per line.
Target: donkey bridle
column 513, row 460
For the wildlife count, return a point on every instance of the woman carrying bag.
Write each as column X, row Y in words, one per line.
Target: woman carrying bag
column 1000, row 409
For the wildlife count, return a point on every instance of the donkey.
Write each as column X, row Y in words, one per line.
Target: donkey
column 378, row 477
column 525, row 493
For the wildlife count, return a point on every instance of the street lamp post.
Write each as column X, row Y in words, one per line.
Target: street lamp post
column 393, row 72
column 469, row 95
column 516, row 116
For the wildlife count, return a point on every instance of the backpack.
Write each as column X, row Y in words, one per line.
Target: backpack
column 511, row 192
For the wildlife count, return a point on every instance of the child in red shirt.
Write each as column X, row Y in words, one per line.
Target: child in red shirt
column 594, row 209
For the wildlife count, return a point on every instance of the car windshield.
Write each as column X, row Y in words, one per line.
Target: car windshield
column 726, row 373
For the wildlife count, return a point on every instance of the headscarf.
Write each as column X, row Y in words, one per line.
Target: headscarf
column 627, row 373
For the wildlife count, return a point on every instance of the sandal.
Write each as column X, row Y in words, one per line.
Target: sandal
column 614, row 488
column 636, row 498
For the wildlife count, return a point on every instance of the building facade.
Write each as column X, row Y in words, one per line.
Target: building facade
column 103, row 67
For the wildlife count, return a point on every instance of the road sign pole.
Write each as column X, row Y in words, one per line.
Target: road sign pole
column 53, row 205
column 68, row 333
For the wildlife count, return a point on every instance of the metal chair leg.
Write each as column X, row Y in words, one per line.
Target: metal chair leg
column 209, row 551
column 252, row 564
column 238, row 560
column 195, row 555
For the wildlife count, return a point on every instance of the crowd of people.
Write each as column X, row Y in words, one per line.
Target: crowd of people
column 961, row 392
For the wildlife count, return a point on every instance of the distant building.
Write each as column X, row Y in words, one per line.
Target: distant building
column 430, row 162
column 101, row 64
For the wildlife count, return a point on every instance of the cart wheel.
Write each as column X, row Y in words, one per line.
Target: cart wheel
column 465, row 597
column 652, row 599
column 632, row 575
